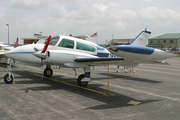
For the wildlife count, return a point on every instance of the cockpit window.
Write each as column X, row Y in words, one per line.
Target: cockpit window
column 54, row 40
column 66, row 43
column 85, row 47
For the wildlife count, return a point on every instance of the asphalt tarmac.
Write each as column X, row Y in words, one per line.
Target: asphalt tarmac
column 155, row 88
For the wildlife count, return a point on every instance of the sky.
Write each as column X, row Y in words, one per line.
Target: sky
column 109, row 18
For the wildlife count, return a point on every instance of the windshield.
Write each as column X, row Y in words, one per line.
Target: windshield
column 40, row 41
column 54, row 40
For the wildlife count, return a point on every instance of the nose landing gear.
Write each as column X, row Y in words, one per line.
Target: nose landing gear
column 9, row 77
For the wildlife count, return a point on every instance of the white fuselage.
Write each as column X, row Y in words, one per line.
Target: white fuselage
column 63, row 50
column 58, row 55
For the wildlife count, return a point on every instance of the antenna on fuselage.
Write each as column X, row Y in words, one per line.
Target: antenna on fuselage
column 69, row 31
column 64, row 33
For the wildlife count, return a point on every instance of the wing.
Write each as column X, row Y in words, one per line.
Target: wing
column 105, row 61
column 114, row 61
column 97, row 59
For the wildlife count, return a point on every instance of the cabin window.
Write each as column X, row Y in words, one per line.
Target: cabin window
column 54, row 40
column 171, row 41
column 66, row 43
column 164, row 41
column 85, row 47
column 151, row 41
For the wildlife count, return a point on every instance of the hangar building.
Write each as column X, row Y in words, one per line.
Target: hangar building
column 169, row 40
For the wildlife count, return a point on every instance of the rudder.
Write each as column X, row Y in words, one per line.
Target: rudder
column 141, row 39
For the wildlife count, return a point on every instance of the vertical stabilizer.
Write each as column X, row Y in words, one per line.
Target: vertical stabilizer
column 141, row 39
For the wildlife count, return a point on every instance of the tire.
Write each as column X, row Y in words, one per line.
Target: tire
column 6, row 79
column 48, row 72
column 80, row 83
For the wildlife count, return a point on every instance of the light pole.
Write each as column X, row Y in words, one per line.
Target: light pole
column 8, row 32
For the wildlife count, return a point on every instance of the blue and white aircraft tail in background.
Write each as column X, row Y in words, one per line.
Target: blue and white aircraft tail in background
column 137, row 52
column 141, row 39
column 70, row 52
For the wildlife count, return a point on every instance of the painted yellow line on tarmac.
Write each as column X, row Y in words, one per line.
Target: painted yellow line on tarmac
column 116, row 78
column 2, row 65
column 71, row 84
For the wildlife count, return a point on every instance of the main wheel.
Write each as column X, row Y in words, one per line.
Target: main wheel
column 80, row 83
column 48, row 72
column 7, row 79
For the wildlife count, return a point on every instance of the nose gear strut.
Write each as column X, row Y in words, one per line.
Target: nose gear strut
column 9, row 77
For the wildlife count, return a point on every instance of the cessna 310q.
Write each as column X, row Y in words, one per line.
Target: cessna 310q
column 66, row 51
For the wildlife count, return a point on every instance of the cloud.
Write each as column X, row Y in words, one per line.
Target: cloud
column 123, row 19
column 101, row 7
column 25, row 4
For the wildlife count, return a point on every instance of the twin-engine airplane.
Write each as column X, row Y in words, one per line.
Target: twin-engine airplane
column 66, row 51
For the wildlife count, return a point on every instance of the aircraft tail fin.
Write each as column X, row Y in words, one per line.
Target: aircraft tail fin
column 46, row 44
column 141, row 39
column 16, row 44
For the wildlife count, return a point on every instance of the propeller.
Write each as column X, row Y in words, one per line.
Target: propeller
column 46, row 44
column 16, row 44
column 41, row 54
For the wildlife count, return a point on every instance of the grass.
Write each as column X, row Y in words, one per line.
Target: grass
column 3, row 51
column 178, row 55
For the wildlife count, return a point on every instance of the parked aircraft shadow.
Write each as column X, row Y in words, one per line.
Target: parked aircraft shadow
column 116, row 101
column 128, row 77
column 4, row 65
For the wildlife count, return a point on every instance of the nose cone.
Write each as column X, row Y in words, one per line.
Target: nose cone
column 168, row 55
column 162, row 55
column 21, row 51
column 9, row 53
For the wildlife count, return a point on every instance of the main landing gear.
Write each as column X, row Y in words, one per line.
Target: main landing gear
column 80, row 82
column 9, row 77
column 48, row 71
column 84, row 79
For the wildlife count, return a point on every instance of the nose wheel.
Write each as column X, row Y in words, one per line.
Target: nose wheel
column 8, row 79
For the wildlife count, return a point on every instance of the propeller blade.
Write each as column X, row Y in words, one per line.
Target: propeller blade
column 46, row 44
column 16, row 44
